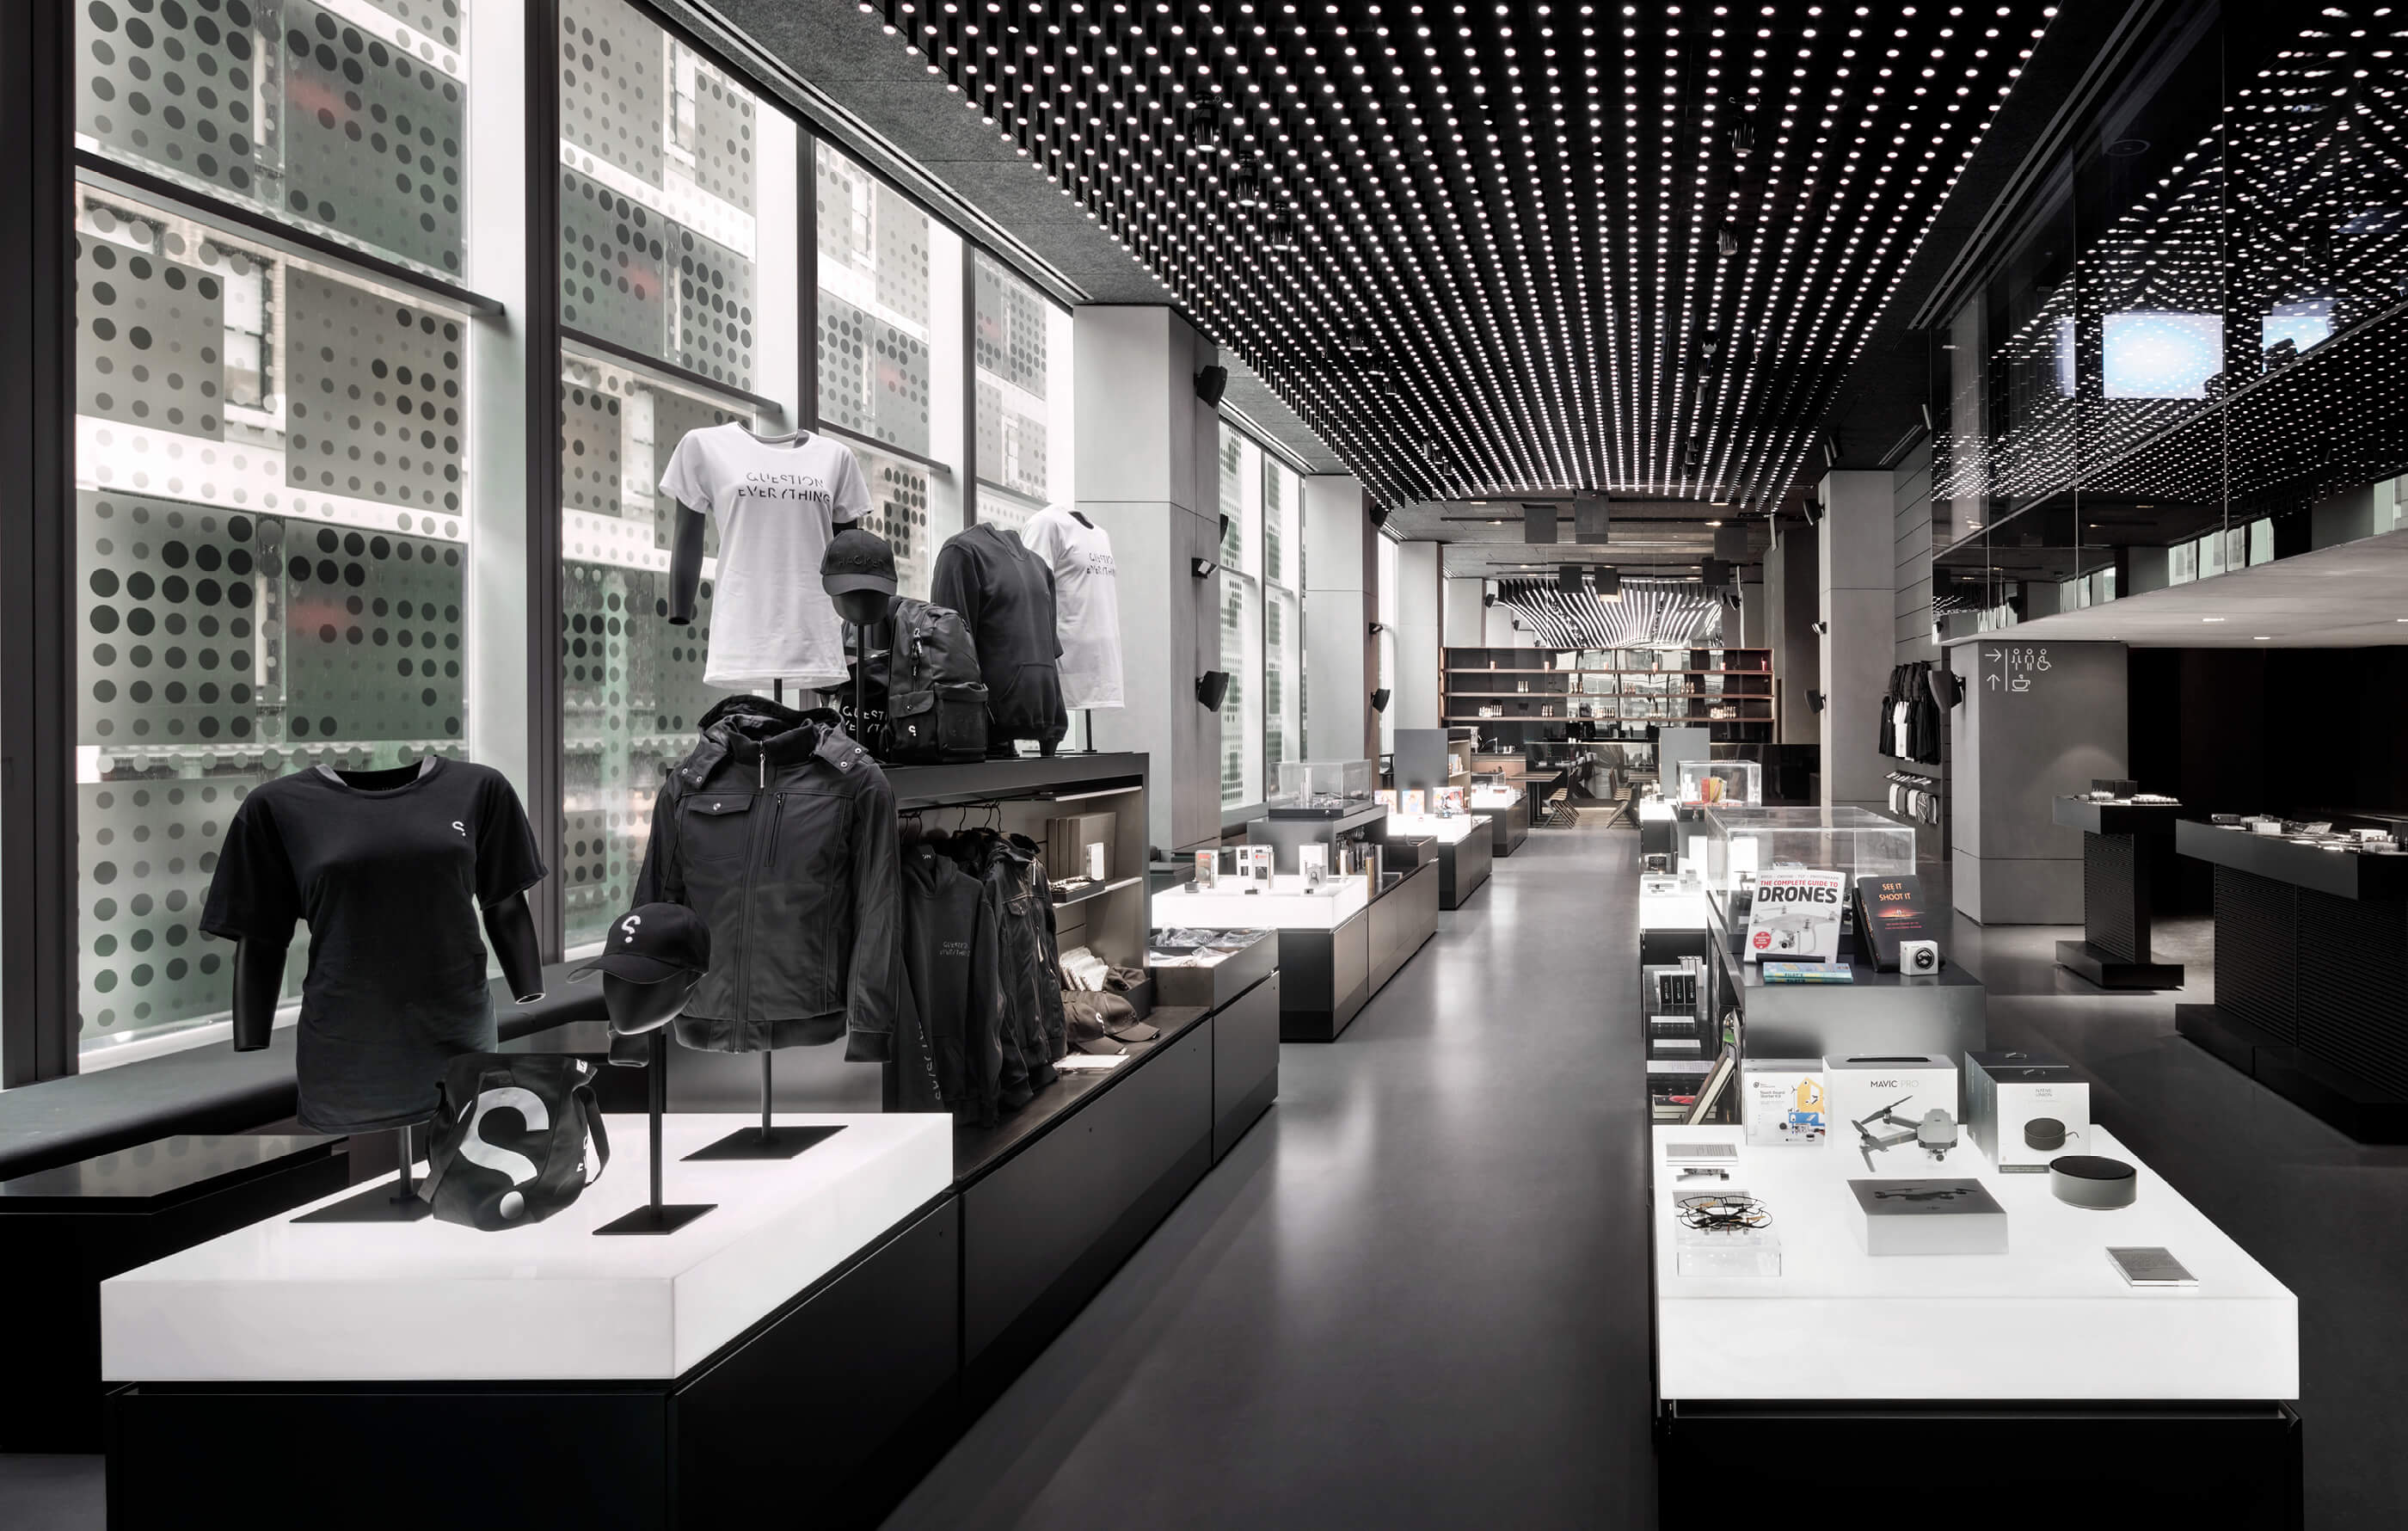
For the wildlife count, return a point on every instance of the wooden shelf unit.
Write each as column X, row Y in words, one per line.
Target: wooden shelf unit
column 1627, row 691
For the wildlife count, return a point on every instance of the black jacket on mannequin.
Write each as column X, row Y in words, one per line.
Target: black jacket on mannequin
column 779, row 830
column 1005, row 594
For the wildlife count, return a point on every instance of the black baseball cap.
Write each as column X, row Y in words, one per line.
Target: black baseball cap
column 652, row 942
column 857, row 560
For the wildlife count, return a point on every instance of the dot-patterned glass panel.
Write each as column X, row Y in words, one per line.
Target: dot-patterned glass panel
column 660, row 181
column 1008, row 341
column 270, row 558
column 898, row 512
column 874, row 366
column 631, row 683
column 349, row 119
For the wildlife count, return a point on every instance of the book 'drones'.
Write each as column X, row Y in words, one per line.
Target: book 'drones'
column 1795, row 916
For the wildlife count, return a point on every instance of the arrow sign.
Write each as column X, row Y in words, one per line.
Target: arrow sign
column 1993, row 680
column 1994, row 655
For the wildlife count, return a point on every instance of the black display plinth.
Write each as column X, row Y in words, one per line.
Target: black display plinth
column 2366, row 1113
column 2141, row 1464
column 2114, row 951
column 1463, row 868
column 71, row 1227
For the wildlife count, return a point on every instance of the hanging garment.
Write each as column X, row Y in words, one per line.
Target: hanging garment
column 1086, row 601
column 780, row 832
column 1028, row 962
column 954, row 989
column 1004, row 593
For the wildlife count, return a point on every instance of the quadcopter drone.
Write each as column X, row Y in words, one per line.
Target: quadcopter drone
column 1732, row 1212
column 1925, row 1193
column 1936, row 1132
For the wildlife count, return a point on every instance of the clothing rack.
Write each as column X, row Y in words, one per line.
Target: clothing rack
column 1917, row 796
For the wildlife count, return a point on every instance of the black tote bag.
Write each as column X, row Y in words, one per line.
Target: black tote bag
column 517, row 1137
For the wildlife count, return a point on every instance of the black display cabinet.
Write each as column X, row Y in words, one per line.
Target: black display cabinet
column 2311, row 975
column 2114, row 953
column 65, row 1230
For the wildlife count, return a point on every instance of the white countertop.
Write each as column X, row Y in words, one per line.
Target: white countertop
column 1286, row 906
column 281, row 1301
column 1673, row 909
column 2049, row 1319
column 1452, row 830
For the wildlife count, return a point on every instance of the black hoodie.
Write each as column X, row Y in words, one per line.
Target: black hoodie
column 1005, row 594
column 950, row 948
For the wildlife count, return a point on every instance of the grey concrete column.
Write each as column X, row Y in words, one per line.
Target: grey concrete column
column 2038, row 719
column 1789, row 607
column 1855, row 578
column 1464, row 627
column 1414, row 617
column 1342, row 601
column 1147, row 475
column 1754, row 630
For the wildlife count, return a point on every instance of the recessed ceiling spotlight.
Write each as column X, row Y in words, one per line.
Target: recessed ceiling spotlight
column 2211, row 619
column 2124, row 149
column 2262, row 637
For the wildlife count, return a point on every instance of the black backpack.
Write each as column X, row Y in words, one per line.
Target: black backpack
column 935, row 702
column 512, row 1139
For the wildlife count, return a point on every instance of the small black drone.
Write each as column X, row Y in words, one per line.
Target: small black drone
column 1926, row 1193
column 1729, row 1212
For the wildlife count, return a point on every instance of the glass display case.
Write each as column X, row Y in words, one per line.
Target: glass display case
column 1328, row 787
column 1741, row 842
column 1740, row 782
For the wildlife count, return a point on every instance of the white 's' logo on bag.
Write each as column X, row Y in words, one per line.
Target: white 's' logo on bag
column 501, row 1161
column 461, row 827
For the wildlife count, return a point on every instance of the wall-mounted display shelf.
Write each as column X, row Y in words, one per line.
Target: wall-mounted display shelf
column 1518, row 696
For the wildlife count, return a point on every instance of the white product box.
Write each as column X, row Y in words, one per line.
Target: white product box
column 1910, row 1085
column 2024, row 1108
column 1784, row 1100
column 1929, row 1217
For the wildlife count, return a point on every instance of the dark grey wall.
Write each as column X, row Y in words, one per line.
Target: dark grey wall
column 1789, row 599
column 1910, row 623
column 1911, row 496
column 2040, row 720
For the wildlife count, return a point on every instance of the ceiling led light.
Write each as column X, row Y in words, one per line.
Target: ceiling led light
column 1531, row 214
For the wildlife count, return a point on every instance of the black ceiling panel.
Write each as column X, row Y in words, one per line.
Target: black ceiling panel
column 1489, row 250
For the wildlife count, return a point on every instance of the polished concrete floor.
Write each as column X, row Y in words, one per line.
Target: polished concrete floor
column 1414, row 1295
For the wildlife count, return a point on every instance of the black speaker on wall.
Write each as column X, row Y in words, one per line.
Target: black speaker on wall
column 1211, row 384
column 1211, row 688
column 1379, row 516
column 1380, row 700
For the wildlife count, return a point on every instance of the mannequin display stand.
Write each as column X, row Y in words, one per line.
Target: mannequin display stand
column 656, row 1217
column 396, row 1201
column 768, row 1140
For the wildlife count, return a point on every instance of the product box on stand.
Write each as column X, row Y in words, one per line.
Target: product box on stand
column 2025, row 1109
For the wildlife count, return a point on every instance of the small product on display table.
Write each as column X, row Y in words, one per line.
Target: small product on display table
column 2117, row 821
column 2311, row 973
column 1823, row 1325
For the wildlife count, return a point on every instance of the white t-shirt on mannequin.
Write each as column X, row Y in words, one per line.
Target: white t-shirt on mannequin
column 1086, row 604
column 777, row 501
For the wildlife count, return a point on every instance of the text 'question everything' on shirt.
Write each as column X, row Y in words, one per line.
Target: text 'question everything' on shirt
column 778, row 502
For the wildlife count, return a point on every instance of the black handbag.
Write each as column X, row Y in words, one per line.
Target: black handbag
column 517, row 1137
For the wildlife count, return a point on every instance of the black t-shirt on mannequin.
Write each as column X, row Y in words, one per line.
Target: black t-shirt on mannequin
column 391, row 870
